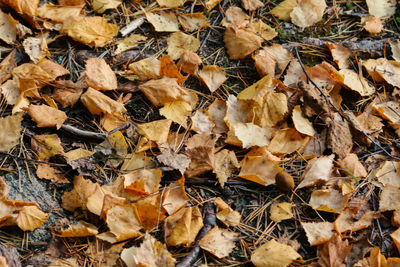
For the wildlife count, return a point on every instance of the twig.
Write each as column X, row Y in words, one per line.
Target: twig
column 328, row 101
column 210, row 220
column 91, row 135
column 133, row 25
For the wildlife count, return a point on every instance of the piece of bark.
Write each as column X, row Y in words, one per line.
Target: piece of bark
column 11, row 255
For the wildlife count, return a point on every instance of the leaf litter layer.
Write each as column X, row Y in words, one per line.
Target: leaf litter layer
column 215, row 133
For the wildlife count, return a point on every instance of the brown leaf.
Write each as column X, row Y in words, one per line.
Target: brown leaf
column 226, row 214
column 174, row 196
column 80, row 229
column 339, row 138
column 170, row 70
column 318, row 170
column 389, row 198
column 27, row 7
column 98, row 103
column 308, row 12
column 329, row 200
column 287, row 141
column 30, row 218
column 189, row 62
column 240, row 42
column 193, row 21
column 46, row 116
column 174, row 160
column 272, row 60
column 66, row 93
column 225, row 165
column 318, row 232
column 6, row 66
column 179, row 42
column 252, row 5
column 213, row 77
column 11, row 137
column 351, row 164
column 273, row 253
column 219, row 242
column 334, row 252
column 46, row 146
column 373, row 25
column 163, row 21
column 44, row 171
column 99, row 75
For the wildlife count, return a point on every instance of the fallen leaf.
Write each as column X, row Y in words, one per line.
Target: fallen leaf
column 219, row 242
column 318, row 232
column 351, row 164
column 382, row 69
column 225, row 165
column 334, row 252
column 142, row 182
column 373, row 25
column 389, row 198
column 340, row 55
column 99, row 75
column 6, row 67
column 272, row 60
column 217, row 111
column 182, row 227
column 92, row 31
column 294, row 73
column 302, row 124
column 178, row 42
column 174, row 196
column 236, row 17
column 163, row 21
column 329, row 200
column 210, row 4
column 177, row 111
column 156, row 131
column 149, row 211
column 11, row 137
column 98, row 103
column 339, row 139
column 45, row 171
column 287, row 141
column 46, row 146
column 226, row 214
column 258, row 168
column 100, row 6
column 189, row 62
column 146, row 69
column 252, row 5
column 395, row 47
column 357, row 82
column 308, row 12
column 241, row 42
column 174, row 160
column 65, row 14
column 283, row 9
column 263, row 30
column 171, row 3
column 273, row 110
column 30, row 218
column 150, row 253
column 193, row 21
column 66, row 93
column 79, row 229
column 375, row 258
column 273, row 253
column 381, row 8
column 318, row 170
column 389, row 110
column 135, row 161
column 3, row 189
column 170, row 70
column 388, row 173
column 236, row 111
column 201, row 122
column 212, row 76
column 78, row 196
column 8, row 30
column 46, row 116
column 250, row 134
column 129, row 42
column 116, row 143
column 396, row 238
column 281, row 211
column 36, row 48
column 26, row 7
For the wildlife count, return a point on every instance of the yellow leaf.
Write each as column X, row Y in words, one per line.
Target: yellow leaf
column 287, row 141
column 30, row 218
column 225, row 165
column 150, row 253
column 308, row 12
column 136, row 161
column 210, row 4
column 216, row 113
column 163, row 22
column 252, row 5
column 226, row 214
column 213, row 77
column 182, row 227
column 219, row 242
column 60, row 13
column 47, row 146
column 27, row 7
column 193, row 21
column 356, row 82
column 46, row 116
column 272, row 60
column 262, row 29
column 44, row 171
column 116, row 142
column 177, row 111
column 171, row 3
column 174, row 196
column 301, row 124
column 102, row 5
column 78, row 196
column 99, row 75
column 142, row 182
column 189, row 62
column 146, row 69
column 317, row 170
column 318, row 232
column 283, row 10
column 98, row 103
column 281, row 211
column 178, row 42
column 156, row 131
column 273, row 254
column 92, row 31
column 77, row 154
column 250, row 134
column 329, row 200
column 80, row 229
column 240, row 42
column 389, row 198
column 10, row 135
column 128, row 43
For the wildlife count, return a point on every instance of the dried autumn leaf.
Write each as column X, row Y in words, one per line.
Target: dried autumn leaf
column 163, row 22
column 373, row 25
column 294, row 73
column 287, row 141
column 352, row 164
column 262, row 29
column 273, row 254
column 64, row 14
column 395, row 47
column 235, row 16
column 46, row 116
column 177, row 111
column 317, row 170
column 30, row 218
column 257, row 166
column 389, row 198
column 318, row 232
column 36, row 48
column 116, row 143
column 272, row 60
column 46, row 146
column 226, row 214
column 66, row 93
column 182, row 227
column 252, row 5
column 236, row 111
column 200, row 149
column 357, row 82
column 150, row 253
column 201, row 122
column 382, row 69
column 193, row 21
column 334, row 252
column 219, row 242
column 162, row 91
column 396, row 238
column 129, row 43
column 174, row 196
column 329, row 200
column 78, row 196
column 45, row 171
column 281, row 211
column 142, row 182
column 302, row 124
column 381, row 8
column 389, row 110
column 100, row 6
column 388, row 173
column 8, row 30
column 340, row 55
column 27, row 7
column 210, row 4
column 250, row 134
column 189, row 62
column 225, row 165
column 240, row 42
column 283, row 9
column 146, row 69
column 79, row 229
column 178, row 42
column 156, row 131
column 308, row 12
column 171, row 3
column 213, row 77
column 92, row 31
column 3, row 189
column 99, row 75
column 6, row 67
column 11, row 137
column 217, row 111
column 170, row 70
column 149, row 211
column 98, row 103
